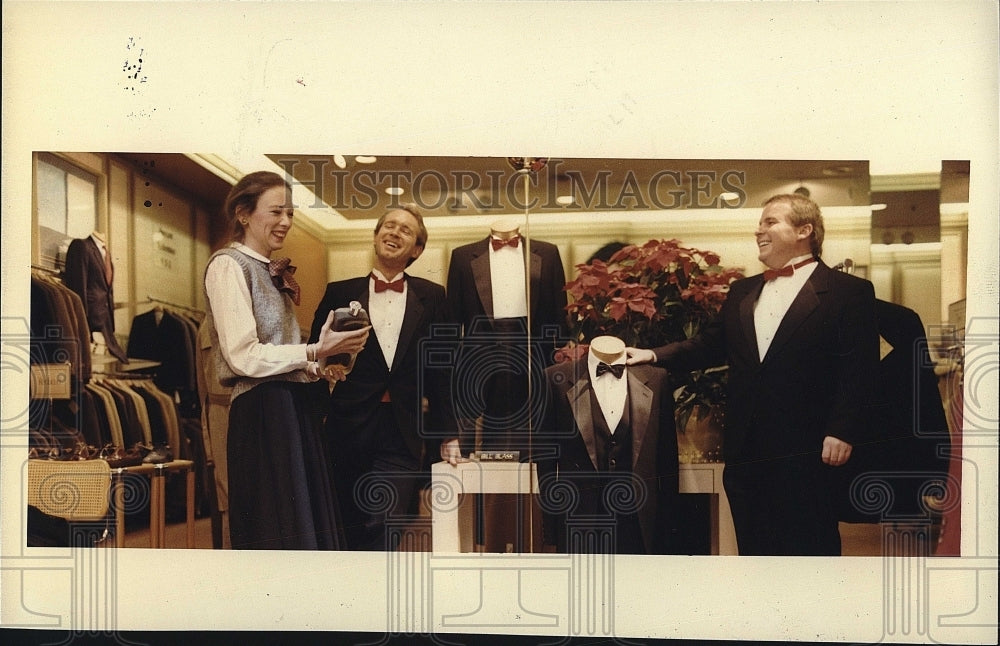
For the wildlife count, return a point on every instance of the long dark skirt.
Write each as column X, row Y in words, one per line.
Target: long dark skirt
column 280, row 496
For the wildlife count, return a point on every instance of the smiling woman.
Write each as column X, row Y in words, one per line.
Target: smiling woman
column 279, row 491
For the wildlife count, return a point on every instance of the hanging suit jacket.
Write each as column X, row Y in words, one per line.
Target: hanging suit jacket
column 910, row 437
column 567, row 454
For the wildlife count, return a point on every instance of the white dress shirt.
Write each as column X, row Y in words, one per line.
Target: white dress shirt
column 775, row 299
column 386, row 311
column 611, row 391
column 232, row 311
column 507, row 281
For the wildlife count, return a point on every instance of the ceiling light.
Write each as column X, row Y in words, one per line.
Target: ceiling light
column 879, row 207
column 564, row 200
column 838, row 171
column 729, row 197
column 394, row 190
column 340, row 161
column 365, row 159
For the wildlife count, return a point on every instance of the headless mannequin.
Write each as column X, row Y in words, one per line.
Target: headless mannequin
column 607, row 349
column 504, row 229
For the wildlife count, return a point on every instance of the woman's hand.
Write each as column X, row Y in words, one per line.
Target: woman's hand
column 331, row 342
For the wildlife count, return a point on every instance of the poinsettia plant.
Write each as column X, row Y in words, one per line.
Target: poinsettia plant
column 650, row 295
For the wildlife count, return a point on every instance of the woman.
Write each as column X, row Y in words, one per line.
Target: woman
column 279, row 489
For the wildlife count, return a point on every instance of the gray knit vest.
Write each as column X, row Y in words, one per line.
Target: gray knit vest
column 276, row 323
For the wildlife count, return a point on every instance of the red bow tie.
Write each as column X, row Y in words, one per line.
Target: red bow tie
column 499, row 244
column 281, row 271
column 787, row 270
column 381, row 285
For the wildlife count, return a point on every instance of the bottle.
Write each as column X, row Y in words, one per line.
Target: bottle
column 352, row 317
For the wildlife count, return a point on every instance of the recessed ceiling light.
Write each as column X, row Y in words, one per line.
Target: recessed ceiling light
column 340, row 161
column 564, row 200
column 879, row 207
column 365, row 159
column 729, row 197
column 394, row 190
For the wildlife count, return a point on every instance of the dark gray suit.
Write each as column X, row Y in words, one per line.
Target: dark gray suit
column 85, row 275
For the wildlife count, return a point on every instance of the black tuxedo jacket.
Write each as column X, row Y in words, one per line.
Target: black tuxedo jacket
column 470, row 288
column 910, row 430
column 567, row 455
column 817, row 378
column 354, row 402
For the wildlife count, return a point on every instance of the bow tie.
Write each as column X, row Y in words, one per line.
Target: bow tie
column 787, row 270
column 381, row 285
column 281, row 271
column 499, row 244
column 617, row 369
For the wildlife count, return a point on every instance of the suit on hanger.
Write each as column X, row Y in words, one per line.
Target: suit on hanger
column 85, row 275
column 375, row 420
column 910, row 430
column 816, row 380
column 576, row 450
column 164, row 336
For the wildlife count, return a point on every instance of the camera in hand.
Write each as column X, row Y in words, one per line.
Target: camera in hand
column 345, row 319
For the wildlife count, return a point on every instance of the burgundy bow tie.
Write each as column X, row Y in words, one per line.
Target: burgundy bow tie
column 499, row 244
column 787, row 270
column 381, row 285
column 281, row 271
column 617, row 369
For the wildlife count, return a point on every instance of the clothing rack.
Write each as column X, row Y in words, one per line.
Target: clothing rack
column 47, row 270
column 131, row 376
column 150, row 299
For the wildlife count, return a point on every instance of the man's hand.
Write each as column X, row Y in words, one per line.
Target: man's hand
column 334, row 372
column 835, row 452
column 636, row 356
column 451, row 452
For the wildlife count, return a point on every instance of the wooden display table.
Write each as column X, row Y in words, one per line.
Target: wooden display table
column 157, row 500
column 707, row 478
column 452, row 511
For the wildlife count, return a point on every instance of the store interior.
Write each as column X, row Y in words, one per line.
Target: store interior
column 160, row 214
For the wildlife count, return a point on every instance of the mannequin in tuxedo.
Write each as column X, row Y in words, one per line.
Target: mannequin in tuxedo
column 488, row 295
column 90, row 273
column 608, row 455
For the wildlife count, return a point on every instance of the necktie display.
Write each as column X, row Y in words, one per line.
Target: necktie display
column 109, row 270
